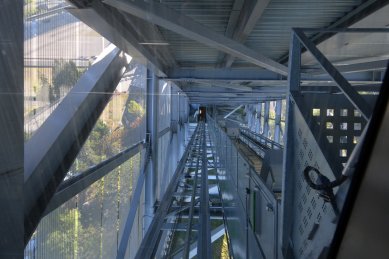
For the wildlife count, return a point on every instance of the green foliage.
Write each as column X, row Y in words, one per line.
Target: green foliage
column 136, row 112
column 60, row 243
column 135, row 108
column 95, row 148
column 65, row 73
column 30, row 8
column 65, row 76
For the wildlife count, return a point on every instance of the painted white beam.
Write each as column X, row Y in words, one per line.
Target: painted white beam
column 234, row 110
column 170, row 19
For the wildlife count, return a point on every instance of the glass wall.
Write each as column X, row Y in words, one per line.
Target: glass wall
column 122, row 123
column 90, row 225
column 58, row 48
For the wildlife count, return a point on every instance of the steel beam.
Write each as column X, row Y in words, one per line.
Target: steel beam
column 11, row 129
column 163, row 132
column 258, row 118
column 234, row 110
column 162, row 15
column 351, row 94
column 191, row 211
column 204, row 237
column 77, row 184
column 113, row 26
column 230, row 74
column 251, row 12
column 52, row 149
column 152, row 131
column 266, row 119
column 294, row 76
column 359, row 65
column 357, row 14
column 254, row 76
column 277, row 131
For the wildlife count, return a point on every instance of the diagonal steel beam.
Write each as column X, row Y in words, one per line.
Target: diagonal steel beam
column 52, row 150
column 251, row 12
column 170, row 19
column 113, row 26
column 69, row 188
column 351, row 94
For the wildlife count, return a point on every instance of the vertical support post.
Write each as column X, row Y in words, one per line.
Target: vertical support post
column 266, row 119
column 294, row 64
column 258, row 119
column 288, row 164
column 277, row 131
column 252, row 118
column 11, row 130
column 152, row 132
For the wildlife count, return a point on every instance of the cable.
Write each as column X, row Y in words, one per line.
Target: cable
column 324, row 181
column 324, row 186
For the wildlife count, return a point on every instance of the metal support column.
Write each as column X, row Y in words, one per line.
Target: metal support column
column 266, row 120
column 152, row 133
column 277, row 123
column 287, row 178
column 258, row 118
column 11, row 129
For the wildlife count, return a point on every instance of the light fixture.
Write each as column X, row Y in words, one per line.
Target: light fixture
column 155, row 43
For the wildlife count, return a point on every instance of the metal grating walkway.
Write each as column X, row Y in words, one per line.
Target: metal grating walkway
column 189, row 218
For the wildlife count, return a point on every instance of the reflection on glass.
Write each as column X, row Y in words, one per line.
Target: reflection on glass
column 89, row 224
column 58, row 49
column 121, row 124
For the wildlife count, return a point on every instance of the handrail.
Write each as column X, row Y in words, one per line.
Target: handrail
column 260, row 139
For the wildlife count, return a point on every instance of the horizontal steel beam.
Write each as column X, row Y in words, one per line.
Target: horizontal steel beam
column 252, row 76
column 162, row 15
column 69, row 188
column 52, row 149
column 230, row 74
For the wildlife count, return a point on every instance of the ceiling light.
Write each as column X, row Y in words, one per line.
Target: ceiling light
column 154, row 43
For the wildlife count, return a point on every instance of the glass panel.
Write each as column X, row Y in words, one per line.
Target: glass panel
column 89, row 225
column 58, row 49
column 121, row 124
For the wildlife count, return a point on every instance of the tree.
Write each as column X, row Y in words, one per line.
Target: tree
column 65, row 76
column 135, row 112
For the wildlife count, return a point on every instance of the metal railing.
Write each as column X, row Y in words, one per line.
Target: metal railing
column 260, row 139
column 253, row 208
